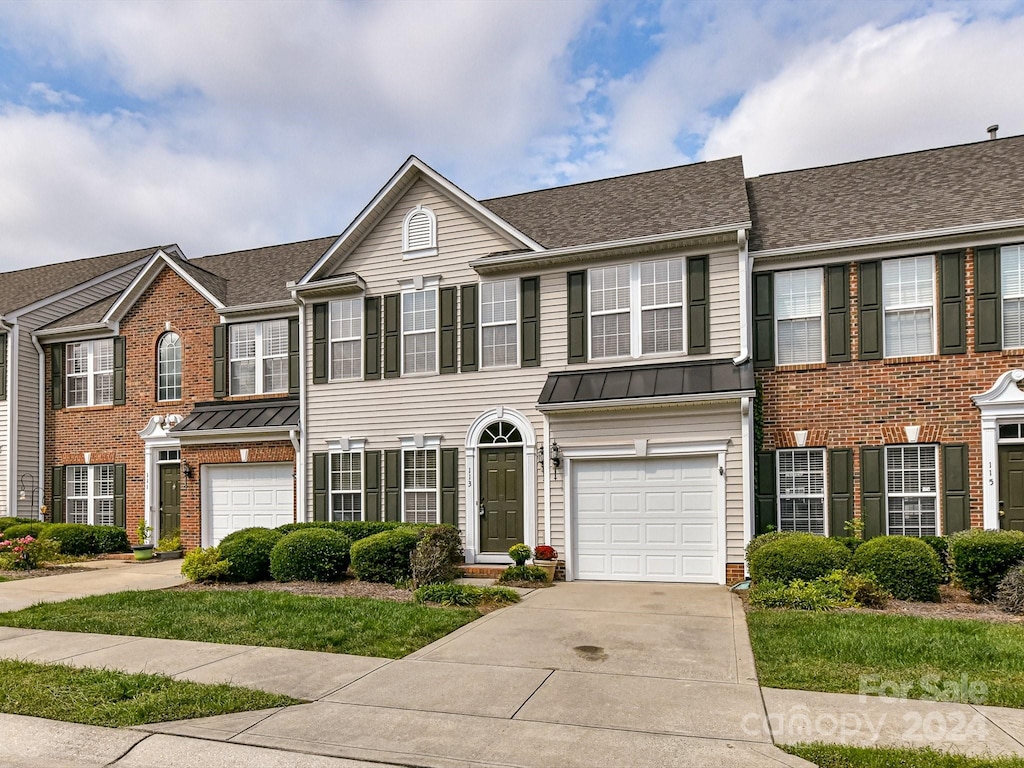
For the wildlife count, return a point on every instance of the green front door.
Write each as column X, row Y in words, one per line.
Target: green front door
column 1011, row 487
column 170, row 499
column 501, row 499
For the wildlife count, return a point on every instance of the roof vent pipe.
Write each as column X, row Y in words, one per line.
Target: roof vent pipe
column 993, row 130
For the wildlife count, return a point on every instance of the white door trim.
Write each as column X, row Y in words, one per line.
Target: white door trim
column 1004, row 402
column 156, row 437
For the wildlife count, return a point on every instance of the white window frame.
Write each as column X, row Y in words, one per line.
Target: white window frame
column 91, row 373
column 260, row 359
column 516, row 323
column 335, row 307
column 820, row 315
column 358, row 456
column 931, row 307
column 421, row 251
column 932, row 494
column 436, row 331
column 176, row 377
column 1004, row 296
column 436, row 490
column 635, row 311
column 823, row 496
column 91, row 498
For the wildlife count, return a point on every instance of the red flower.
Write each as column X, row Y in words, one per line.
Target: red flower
column 544, row 552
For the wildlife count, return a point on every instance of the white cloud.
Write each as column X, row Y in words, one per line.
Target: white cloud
column 53, row 98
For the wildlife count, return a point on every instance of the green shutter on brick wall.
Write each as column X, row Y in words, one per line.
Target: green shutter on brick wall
column 576, row 283
column 371, row 356
column 764, row 320
column 393, row 486
column 119, row 365
column 321, row 321
column 220, row 361
column 392, row 336
column 872, row 490
column 988, row 310
column 57, row 491
column 956, row 500
column 869, row 287
column 321, row 477
column 449, row 331
column 765, row 514
column 371, row 485
column 952, row 304
column 698, row 312
column 120, row 492
column 3, row 366
column 450, row 486
column 470, row 342
column 57, row 376
column 529, row 288
column 840, row 490
column 294, row 369
column 837, row 322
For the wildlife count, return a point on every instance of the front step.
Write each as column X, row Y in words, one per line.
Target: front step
column 482, row 570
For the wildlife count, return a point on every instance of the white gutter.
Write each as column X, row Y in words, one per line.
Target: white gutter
column 302, row 514
column 84, row 331
column 349, row 281
column 12, row 379
column 257, row 308
column 42, row 421
column 747, row 446
column 626, row 402
column 547, row 480
column 746, row 307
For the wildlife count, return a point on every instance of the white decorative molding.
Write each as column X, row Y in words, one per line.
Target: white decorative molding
column 156, row 437
column 912, row 432
column 87, row 456
column 1003, row 402
column 641, row 446
column 243, row 454
column 420, row 441
column 800, row 436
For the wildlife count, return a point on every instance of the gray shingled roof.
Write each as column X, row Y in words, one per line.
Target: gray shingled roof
column 249, row 414
column 932, row 189
column 93, row 313
column 687, row 197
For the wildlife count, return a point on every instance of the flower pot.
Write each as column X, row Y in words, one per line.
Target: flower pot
column 170, row 554
column 143, row 551
column 548, row 566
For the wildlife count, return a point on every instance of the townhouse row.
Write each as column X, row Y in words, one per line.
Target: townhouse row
column 641, row 371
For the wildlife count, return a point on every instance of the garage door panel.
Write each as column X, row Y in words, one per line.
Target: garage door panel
column 661, row 502
column 624, row 534
column 246, row 496
column 625, row 503
column 661, row 533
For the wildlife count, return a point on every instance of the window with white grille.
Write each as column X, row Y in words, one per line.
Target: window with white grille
column 419, row 232
column 419, row 331
column 499, row 323
column 89, row 369
column 661, row 306
column 89, row 492
column 258, row 357
column 346, row 339
column 610, row 293
column 419, row 485
column 801, row 483
column 1012, row 289
column 347, row 485
column 798, row 317
column 908, row 294
column 911, row 490
column 168, row 367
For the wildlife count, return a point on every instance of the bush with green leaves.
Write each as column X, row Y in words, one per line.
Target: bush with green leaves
column 839, row 589
column 111, row 539
column 353, row 529
column 906, row 566
column 797, row 556
column 7, row 522
column 248, row 551
column 437, row 556
column 21, row 530
column 315, row 554
column 519, row 553
column 26, row 553
column 982, row 558
column 204, row 565
column 852, row 543
column 515, row 574
column 464, row 595
column 941, row 546
column 73, row 539
column 765, row 538
column 1010, row 595
column 386, row 557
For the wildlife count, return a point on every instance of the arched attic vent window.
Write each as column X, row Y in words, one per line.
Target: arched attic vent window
column 419, row 233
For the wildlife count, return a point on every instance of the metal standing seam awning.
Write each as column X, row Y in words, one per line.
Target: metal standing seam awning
column 257, row 418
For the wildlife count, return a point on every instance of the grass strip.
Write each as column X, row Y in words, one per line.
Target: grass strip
column 836, row 756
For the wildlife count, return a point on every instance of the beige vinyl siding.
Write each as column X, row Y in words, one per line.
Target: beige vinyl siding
column 4, row 453
column 724, row 284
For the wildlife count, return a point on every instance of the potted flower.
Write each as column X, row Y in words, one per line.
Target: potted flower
column 143, row 550
column 519, row 553
column 546, row 558
column 169, row 546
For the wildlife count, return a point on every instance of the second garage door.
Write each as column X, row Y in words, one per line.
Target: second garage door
column 648, row 519
column 237, row 496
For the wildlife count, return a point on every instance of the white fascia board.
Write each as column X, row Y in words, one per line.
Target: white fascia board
column 13, row 316
column 78, row 332
column 415, row 165
column 344, row 283
column 142, row 281
column 276, row 307
column 234, row 435
column 639, row 402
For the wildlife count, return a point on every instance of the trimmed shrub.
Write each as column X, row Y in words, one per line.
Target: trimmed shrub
column 203, row 565
column 519, row 553
column 765, row 538
column 7, row 522
column 110, row 538
column 21, row 530
column 852, row 543
column 839, row 589
column 904, row 565
column 385, row 557
column 248, row 551
column 26, row 553
column 797, row 556
column 316, row 554
column 523, row 573
column 941, row 546
column 437, row 556
column 1010, row 595
column 354, row 530
column 73, row 538
column 982, row 558
column 464, row 594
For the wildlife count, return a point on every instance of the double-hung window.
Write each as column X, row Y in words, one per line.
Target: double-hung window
column 801, row 483
column 90, row 372
column 168, row 367
column 419, row 331
column 419, row 485
column 347, row 485
column 258, row 355
column 90, row 494
column 908, row 293
column 637, row 309
column 798, row 317
column 1012, row 288
column 499, row 321
column 911, row 489
column 346, row 339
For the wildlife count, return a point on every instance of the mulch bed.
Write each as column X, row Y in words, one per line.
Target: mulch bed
column 344, row 588
column 956, row 604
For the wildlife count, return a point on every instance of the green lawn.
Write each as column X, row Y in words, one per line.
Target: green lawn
column 831, row 756
column 116, row 699
column 334, row 624
column 833, row 651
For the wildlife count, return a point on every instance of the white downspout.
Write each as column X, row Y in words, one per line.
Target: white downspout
column 13, row 343
column 297, row 436
column 747, row 445
column 42, row 420
column 745, row 306
column 547, row 479
column 293, row 435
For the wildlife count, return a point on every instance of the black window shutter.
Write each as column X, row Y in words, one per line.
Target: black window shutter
column 450, row 486
column 952, row 304
column 764, row 320
column 988, row 310
column 57, row 377
column 57, row 492
column 837, row 322
column 576, row 283
column 698, row 313
column 3, row 366
column 220, row 361
column 765, row 514
column 321, row 321
column 529, row 288
column 872, row 490
column 869, row 289
column 956, row 501
column 840, row 486
column 470, row 342
column 120, row 491
column 119, row 362
column 371, row 485
column 294, row 369
column 392, row 336
column 321, row 475
column 371, row 356
column 449, row 331
column 393, row 486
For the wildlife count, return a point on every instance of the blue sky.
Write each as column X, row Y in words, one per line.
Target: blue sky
column 230, row 125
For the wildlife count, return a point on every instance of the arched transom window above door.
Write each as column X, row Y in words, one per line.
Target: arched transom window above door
column 501, row 433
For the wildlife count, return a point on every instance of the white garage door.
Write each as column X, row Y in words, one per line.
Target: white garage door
column 648, row 519
column 237, row 496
